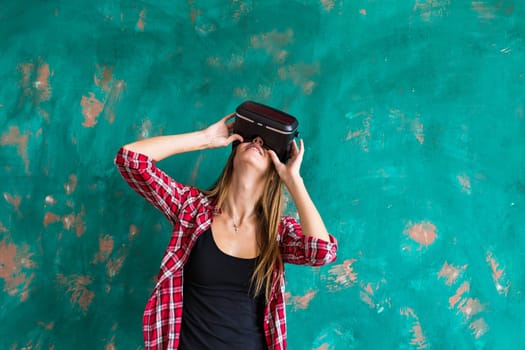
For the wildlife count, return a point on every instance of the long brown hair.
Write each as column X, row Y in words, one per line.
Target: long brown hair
column 268, row 209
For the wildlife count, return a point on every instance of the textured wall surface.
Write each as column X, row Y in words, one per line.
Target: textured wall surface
column 413, row 116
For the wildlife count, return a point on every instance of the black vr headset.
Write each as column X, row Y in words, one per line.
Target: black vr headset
column 276, row 128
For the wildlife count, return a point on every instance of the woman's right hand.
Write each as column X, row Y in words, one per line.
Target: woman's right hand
column 220, row 134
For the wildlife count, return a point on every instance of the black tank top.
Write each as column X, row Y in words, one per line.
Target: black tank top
column 219, row 309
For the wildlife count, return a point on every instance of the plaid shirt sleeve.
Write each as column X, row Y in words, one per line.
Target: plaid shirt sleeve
column 159, row 189
column 299, row 249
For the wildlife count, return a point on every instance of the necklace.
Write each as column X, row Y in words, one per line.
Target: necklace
column 235, row 226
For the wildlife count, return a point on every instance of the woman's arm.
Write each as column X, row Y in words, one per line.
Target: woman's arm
column 311, row 222
column 136, row 163
column 160, row 147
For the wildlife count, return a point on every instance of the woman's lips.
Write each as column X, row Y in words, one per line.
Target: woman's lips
column 257, row 147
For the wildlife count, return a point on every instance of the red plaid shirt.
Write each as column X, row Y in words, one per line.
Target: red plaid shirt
column 191, row 214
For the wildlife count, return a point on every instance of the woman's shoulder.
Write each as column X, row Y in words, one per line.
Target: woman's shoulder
column 192, row 196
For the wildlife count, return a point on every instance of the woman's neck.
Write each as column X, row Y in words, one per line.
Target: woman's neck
column 243, row 195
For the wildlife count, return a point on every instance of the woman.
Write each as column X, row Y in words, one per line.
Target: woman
column 228, row 244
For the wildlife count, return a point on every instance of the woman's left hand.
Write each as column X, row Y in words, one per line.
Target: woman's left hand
column 289, row 171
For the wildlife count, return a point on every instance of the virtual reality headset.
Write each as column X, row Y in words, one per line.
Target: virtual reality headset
column 275, row 127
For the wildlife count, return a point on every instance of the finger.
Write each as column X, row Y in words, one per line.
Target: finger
column 227, row 117
column 276, row 161
column 301, row 147
column 229, row 124
column 234, row 137
column 294, row 151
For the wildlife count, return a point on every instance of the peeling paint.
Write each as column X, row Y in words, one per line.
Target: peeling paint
column 16, row 268
column 342, row 275
column 450, row 273
column 423, row 233
column 498, row 275
column 77, row 285
column 13, row 137
column 418, row 338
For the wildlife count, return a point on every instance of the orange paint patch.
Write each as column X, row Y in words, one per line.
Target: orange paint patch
column 497, row 275
column 484, row 10
column 42, row 82
column 470, row 307
column 38, row 88
column 104, row 77
column 26, row 69
column 301, row 302
column 464, row 305
column 406, row 123
column 453, row 300
column 300, row 75
column 141, row 23
column 369, row 289
column 71, row 185
column 13, row 137
column 3, row 228
column 450, row 273
column 113, row 89
column 14, row 201
column 367, row 299
column 111, row 344
column 13, row 261
column 77, row 286
column 342, row 275
column 91, row 108
column 194, row 12
column 105, row 248
column 273, row 43
column 328, row 5
column 47, row 326
column 361, row 131
column 367, row 296
column 464, row 182
column 77, row 221
column 363, row 12
column 35, row 85
column 431, row 8
column 418, row 130
column 479, row 327
column 133, row 232
column 323, row 347
column 50, row 218
column 240, row 8
column 418, row 338
column 423, row 233
column 114, row 265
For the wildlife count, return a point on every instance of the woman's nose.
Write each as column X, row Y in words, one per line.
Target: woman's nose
column 258, row 140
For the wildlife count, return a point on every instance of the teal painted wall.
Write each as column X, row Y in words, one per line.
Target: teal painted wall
column 413, row 116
